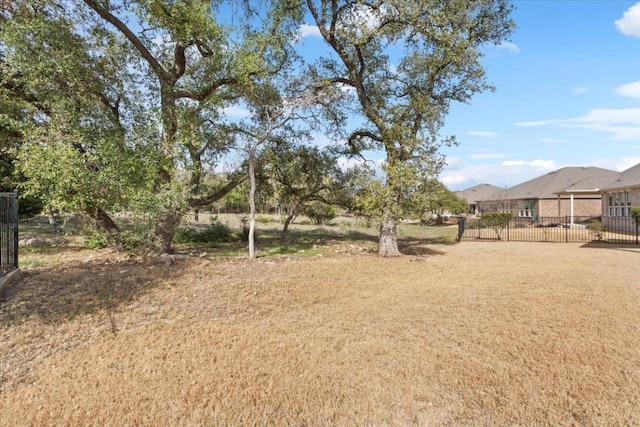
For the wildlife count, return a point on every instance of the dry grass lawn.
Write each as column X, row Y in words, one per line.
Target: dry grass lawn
column 474, row 334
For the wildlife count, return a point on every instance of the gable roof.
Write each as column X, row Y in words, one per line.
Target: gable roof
column 625, row 179
column 479, row 192
column 547, row 186
column 591, row 185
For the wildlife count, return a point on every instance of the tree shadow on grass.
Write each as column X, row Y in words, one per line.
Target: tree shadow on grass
column 61, row 293
column 305, row 240
column 626, row 247
column 419, row 247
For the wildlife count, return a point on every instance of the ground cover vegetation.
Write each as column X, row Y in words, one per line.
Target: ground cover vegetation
column 119, row 106
column 323, row 332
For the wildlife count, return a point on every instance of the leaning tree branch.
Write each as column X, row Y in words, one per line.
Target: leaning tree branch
column 195, row 202
column 126, row 31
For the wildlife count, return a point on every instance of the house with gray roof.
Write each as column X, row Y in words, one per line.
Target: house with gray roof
column 476, row 193
column 555, row 194
column 619, row 196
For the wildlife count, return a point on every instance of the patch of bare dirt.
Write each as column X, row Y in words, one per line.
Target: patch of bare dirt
column 471, row 334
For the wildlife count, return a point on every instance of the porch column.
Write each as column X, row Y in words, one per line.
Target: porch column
column 572, row 209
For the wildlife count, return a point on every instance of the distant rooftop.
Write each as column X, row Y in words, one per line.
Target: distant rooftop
column 625, row 179
column 547, row 186
column 479, row 192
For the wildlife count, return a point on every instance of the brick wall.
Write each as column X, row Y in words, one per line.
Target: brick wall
column 581, row 207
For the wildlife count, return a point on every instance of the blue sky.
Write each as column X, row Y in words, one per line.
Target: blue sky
column 567, row 94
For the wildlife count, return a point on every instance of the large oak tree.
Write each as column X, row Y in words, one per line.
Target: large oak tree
column 406, row 61
column 129, row 95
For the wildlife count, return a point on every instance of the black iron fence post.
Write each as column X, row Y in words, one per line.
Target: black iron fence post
column 460, row 228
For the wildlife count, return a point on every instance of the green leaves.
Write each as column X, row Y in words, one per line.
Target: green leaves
column 403, row 98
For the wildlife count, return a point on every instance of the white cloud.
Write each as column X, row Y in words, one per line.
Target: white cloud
column 617, row 164
column 625, row 163
column 451, row 180
column 505, row 174
column 508, row 46
column 453, row 161
column 495, row 50
column 623, row 123
column 483, row 133
column 538, row 163
column 322, row 140
column 236, row 112
column 629, row 24
column 580, row 90
column 630, row 90
column 537, row 123
column 306, row 30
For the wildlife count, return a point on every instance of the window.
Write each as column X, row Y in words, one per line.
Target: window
column 610, row 205
column 619, row 204
column 527, row 209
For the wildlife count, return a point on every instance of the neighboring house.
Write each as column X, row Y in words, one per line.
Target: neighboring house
column 585, row 192
column 548, row 195
column 476, row 193
column 619, row 195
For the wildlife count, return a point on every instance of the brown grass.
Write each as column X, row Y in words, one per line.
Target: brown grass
column 475, row 334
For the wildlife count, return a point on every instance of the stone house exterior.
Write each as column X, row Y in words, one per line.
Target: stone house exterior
column 551, row 195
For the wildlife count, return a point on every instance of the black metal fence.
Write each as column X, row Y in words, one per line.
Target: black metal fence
column 584, row 229
column 8, row 232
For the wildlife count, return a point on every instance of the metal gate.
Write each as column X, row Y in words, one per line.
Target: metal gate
column 8, row 232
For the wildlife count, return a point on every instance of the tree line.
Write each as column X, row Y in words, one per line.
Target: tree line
column 111, row 106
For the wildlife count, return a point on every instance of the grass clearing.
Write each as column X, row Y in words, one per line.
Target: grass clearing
column 474, row 334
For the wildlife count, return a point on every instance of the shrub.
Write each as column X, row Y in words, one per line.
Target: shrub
column 212, row 233
column 320, row 213
column 491, row 219
column 95, row 241
column 595, row 226
column 635, row 214
column 263, row 219
column 497, row 221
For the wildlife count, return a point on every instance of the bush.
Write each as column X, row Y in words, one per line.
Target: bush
column 635, row 214
column 496, row 219
column 212, row 233
column 136, row 239
column 263, row 219
column 243, row 235
column 96, row 241
column 595, row 226
column 320, row 213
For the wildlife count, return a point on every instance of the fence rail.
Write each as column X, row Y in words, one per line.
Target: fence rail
column 583, row 229
column 8, row 232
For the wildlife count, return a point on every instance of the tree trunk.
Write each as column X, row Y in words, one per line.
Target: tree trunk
column 110, row 227
column 54, row 222
column 166, row 228
column 388, row 245
column 287, row 222
column 252, row 202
